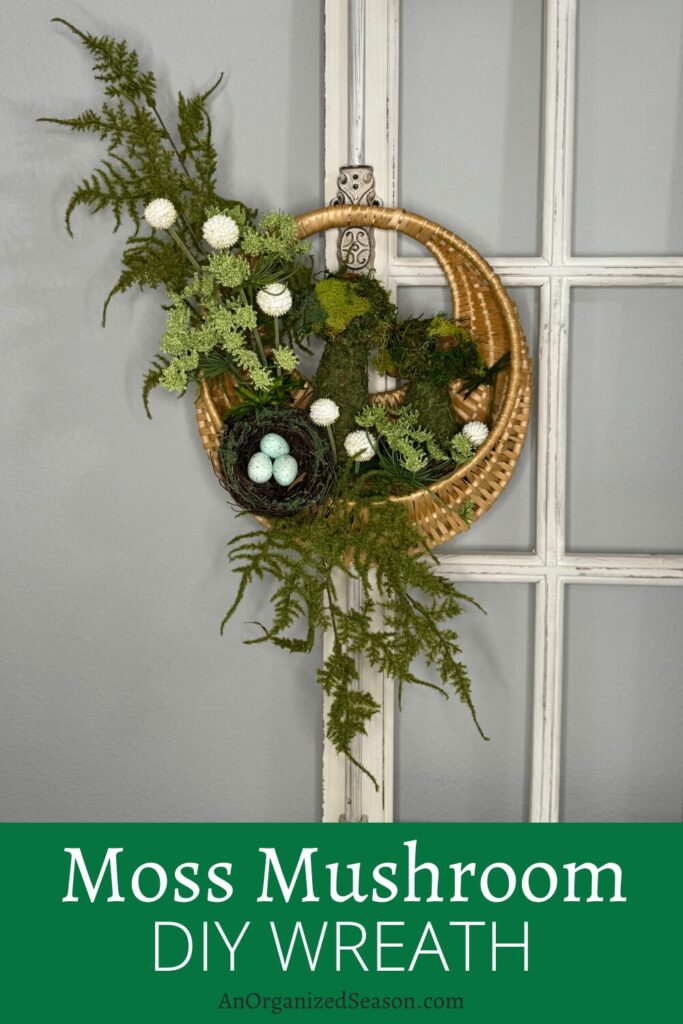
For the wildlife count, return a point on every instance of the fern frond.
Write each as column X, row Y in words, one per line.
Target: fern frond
column 143, row 160
column 351, row 534
column 152, row 379
column 109, row 123
column 116, row 65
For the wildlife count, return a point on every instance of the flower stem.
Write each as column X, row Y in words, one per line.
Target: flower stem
column 259, row 346
column 276, row 332
column 183, row 248
column 332, row 441
column 187, row 224
column 255, row 334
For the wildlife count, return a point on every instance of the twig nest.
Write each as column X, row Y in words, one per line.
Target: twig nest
column 161, row 214
column 274, row 300
column 301, row 478
column 324, row 412
column 476, row 432
column 220, row 231
column 360, row 445
column 285, row 469
column 273, row 445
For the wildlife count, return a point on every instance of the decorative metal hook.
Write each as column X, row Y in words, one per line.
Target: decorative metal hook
column 356, row 245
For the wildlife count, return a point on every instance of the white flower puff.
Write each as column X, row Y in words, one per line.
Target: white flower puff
column 220, row 231
column 275, row 299
column 161, row 213
column 324, row 412
column 359, row 445
column 476, row 432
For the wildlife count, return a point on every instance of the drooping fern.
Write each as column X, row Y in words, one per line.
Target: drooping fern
column 144, row 161
column 152, row 379
column 404, row 611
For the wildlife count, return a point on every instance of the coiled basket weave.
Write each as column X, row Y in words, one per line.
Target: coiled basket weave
column 481, row 302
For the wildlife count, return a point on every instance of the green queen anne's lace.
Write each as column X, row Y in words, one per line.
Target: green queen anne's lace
column 275, row 237
column 199, row 322
column 228, row 270
column 285, row 358
column 401, row 432
column 175, row 377
column 461, row 449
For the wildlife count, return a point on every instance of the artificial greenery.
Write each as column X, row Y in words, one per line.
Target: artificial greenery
column 153, row 378
column 401, row 431
column 439, row 350
column 461, row 449
column 432, row 355
column 341, row 303
column 393, row 478
column 376, row 545
column 212, row 317
column 357, row 315
column 436, row 408
column 144, row 160
column 280, row 394
column 214, row 313
column 466, row 511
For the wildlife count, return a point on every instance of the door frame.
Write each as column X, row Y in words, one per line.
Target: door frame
column 549, row 567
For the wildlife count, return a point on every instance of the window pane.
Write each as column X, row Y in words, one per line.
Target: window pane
column 623, row 704
column 444, row 770
column 470, row 115
column 510, row 524
column 624, row 482
column 629, row 132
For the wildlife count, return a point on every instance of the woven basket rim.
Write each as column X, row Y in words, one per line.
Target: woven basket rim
column 436, row 508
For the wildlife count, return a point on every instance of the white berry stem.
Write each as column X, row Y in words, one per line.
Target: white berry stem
column 276, row 333
column 255, row 334
column 183, row 248
column 332, row 442
column 259, row 346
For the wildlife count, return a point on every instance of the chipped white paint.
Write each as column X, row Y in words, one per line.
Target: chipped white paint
column 356, row 82
column 356, row 128
column 550, row 568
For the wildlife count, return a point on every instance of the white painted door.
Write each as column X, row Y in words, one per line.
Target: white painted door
column 547, row 133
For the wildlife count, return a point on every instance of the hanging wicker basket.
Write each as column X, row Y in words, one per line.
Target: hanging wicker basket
column 479, row 300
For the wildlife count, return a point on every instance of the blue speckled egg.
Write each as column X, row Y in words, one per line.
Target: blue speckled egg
column 285, row 469
column 274, row 446
column 259, row 468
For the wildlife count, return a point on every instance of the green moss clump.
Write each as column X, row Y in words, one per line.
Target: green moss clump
column 342, row 375
column 438, row 350
column 435, row 407
column 341, row 303
column 430, row 354
column 368, row 315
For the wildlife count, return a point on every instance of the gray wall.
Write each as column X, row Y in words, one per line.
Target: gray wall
column 119, row 698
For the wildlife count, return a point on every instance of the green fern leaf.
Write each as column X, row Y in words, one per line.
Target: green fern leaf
column 152, row 379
